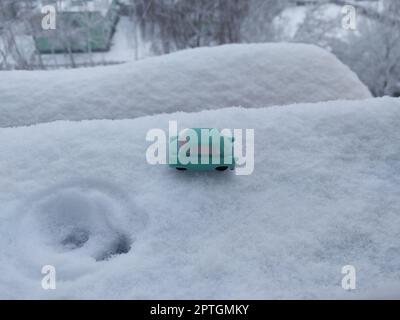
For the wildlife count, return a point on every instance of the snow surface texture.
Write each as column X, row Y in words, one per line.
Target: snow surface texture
column 248, row 75
column 325, row 193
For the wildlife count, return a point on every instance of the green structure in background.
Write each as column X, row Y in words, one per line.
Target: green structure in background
column 211, row 150
column 81, row 26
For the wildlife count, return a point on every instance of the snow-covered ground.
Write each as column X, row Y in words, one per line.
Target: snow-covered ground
column 79, row 195
column 252, row 75
column 325, row 193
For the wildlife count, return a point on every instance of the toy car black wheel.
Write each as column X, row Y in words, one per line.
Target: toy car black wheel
column 181, row 169
column 221, row 168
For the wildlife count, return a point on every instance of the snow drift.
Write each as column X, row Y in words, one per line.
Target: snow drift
column 252, row 75
column 325, row 193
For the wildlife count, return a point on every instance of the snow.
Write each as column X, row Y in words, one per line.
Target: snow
column 325, row 193
column 289, row 21
column 79, row 195
column 26, row 47
column 248, row 75
column 330, row 16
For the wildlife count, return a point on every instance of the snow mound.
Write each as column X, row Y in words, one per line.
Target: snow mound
column 325, row 193
column 248, row 75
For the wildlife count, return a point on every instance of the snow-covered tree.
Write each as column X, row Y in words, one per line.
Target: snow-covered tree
column 258, row 24
column 179, row 24
column 373, row 52
column 16, row 46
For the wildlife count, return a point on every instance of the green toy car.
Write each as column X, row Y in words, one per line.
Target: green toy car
column 201, row 149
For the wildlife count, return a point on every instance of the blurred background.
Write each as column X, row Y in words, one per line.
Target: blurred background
column 103, row 32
